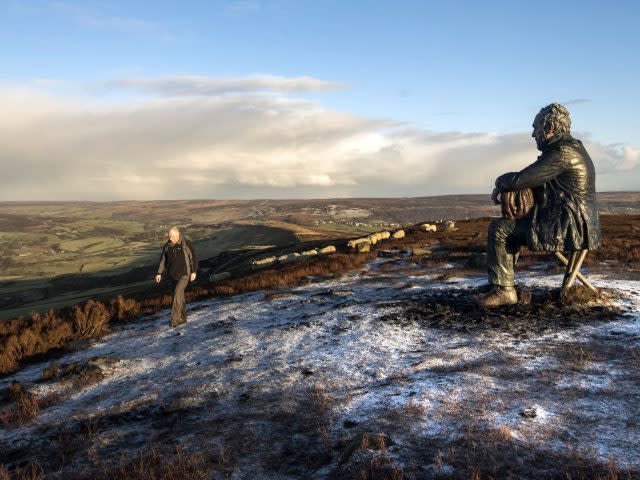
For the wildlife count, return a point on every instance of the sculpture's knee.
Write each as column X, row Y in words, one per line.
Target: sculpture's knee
column 499, row 230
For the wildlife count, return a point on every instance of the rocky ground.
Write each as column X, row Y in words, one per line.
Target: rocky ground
column 389, row 372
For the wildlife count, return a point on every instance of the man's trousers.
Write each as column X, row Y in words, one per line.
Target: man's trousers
column 179, row 307
column 504, row 239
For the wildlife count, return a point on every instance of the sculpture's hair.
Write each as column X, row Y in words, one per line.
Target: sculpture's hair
column 556, row 117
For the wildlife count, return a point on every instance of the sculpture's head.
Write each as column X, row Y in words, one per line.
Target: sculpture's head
column 552, row 121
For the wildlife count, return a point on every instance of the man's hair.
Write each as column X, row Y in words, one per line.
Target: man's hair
column 556, row 117
column 174, row 229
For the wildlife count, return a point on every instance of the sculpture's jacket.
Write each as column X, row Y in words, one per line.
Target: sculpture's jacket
column 565, row 214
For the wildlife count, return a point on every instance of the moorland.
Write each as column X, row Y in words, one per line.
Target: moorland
column 372, row 364
column 54, row 254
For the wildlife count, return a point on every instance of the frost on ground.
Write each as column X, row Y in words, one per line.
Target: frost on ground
column 388, row 371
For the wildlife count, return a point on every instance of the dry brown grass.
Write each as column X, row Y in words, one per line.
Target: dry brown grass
column 25, row 407
column 152, row 464
column 90, row 319
column 620, row 236
column 380, row 467
column 29, row 406
column 32, row 472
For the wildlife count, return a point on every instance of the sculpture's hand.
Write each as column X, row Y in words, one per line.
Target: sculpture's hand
column 494, row 196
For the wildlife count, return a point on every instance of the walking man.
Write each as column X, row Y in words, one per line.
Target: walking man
column 180, row 260
column 564, row 216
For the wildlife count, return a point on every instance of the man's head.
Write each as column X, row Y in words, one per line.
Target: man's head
column 174, row 235
column 552, row 120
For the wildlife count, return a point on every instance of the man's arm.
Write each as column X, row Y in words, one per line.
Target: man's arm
column 161, row 264
column 536, row 174
column 194, row 260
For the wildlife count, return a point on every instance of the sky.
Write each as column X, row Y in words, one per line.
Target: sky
column 122, row 100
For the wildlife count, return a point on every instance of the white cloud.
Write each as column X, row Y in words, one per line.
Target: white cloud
column 248, row 146
column 186, row 85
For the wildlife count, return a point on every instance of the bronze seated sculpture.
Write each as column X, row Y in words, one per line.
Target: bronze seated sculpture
column 548, row 206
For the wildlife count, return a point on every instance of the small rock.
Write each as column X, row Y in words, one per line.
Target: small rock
column 264, row 262
column 306, row 371
column 427, row 227
column 354, row 243
column 363, row 247
column 529, row 412
column 420, row 251
column 342, row 293
column 291, row 257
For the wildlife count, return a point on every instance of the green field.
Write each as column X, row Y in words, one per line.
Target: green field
column 52, row 255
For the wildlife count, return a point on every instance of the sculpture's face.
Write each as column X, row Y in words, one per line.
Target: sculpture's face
column 539, row 133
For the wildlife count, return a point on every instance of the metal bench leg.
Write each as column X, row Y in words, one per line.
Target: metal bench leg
column 568, row 270
column 579, row 276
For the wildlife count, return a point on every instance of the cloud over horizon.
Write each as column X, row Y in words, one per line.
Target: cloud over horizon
column 204, row 143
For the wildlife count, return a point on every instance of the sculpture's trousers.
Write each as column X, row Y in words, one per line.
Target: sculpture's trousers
column 179, row 307
column 504, row 240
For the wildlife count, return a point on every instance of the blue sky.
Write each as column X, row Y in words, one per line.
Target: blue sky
column 431, row 68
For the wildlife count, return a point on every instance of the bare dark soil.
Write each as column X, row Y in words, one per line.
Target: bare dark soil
column 539, row 311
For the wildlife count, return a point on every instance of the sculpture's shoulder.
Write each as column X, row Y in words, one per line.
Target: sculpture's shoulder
column 566, row 150
column 570, row 145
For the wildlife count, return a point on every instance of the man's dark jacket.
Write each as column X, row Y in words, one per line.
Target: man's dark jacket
column 179, row 259
column 565, row 214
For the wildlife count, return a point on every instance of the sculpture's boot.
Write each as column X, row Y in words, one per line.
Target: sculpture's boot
column 497, row 296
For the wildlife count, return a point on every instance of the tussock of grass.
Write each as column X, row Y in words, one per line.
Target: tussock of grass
column 32, row 472
column 22, row 409
column 582, row 295
column 151, row 464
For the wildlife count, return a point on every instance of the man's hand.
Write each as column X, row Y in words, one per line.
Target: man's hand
column 193, row 277
column 158, row 278
column 494, row 196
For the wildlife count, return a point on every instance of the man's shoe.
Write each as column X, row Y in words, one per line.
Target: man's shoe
column 497, row 296
column 179, row 322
